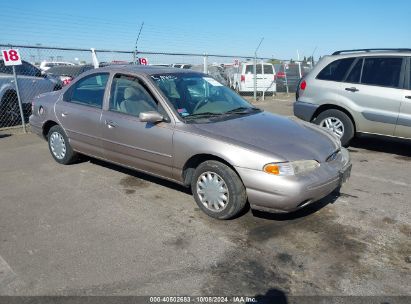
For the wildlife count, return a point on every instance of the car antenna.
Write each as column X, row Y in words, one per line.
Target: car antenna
column 138, row 37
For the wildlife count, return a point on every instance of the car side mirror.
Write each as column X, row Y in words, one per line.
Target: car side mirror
column 151, row 116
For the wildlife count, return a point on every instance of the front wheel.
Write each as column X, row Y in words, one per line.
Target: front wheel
column 59, row 146
column 337, row 122
column 218, row 190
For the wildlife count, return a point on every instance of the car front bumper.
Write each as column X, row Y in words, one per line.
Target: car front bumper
column 272, row 193
column 36, row 126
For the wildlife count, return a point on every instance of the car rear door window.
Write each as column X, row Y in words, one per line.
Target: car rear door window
column 382, row 71
column 355, row 73
column 88, row 91
column 336, row 70
column 5, row 69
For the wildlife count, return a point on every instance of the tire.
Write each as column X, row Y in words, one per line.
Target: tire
column 59, row 146
column 9, row 110
column 215, row 172
column 336, row 116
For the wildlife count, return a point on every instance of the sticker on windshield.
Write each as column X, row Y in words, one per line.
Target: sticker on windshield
column 182, row 112
column 212, row 81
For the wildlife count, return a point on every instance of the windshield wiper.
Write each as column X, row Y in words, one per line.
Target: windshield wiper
column 243, row 110
column 203, row 114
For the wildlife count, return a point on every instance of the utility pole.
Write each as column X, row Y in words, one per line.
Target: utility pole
column 135, row 48
column 255, row 69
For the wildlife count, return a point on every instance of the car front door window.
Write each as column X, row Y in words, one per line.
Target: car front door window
column 129, row 96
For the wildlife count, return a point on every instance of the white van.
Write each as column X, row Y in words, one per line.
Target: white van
column 243, row 81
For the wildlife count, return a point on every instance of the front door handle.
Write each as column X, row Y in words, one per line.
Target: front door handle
column 110, row 124
column 352, row 89
column 409, row 97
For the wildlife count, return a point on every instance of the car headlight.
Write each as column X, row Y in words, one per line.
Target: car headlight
column 291, row 168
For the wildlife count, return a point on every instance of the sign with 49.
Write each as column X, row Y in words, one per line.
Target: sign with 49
column 11, row 57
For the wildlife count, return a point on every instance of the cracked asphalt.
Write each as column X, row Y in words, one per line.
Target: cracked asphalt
column 97, row 229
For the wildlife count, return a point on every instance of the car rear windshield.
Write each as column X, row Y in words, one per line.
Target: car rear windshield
column 336, row 70
column 68, row 70
column 291, row 69
column 249, row 69
column 268, row 69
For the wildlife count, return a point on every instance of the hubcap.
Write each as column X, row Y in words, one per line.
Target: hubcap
column 333, row 124
column 57, row 145
column 212, row 191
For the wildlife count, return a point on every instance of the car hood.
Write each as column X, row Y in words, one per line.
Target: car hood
column 286, row 138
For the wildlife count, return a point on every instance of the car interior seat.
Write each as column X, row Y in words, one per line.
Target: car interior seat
column 136, row 101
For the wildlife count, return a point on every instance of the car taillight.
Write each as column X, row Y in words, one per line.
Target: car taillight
column 280, row 75
column 303, row 85
column 67, row 81
column 242, row 78
column 32, row 106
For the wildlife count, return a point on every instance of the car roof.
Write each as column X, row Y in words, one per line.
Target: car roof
column 144, row 69
column 252, row 63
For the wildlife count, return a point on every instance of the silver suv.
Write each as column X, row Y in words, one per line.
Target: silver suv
column 359, row 91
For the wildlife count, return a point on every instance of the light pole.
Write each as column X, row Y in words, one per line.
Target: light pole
column 255, row 69
column 38, row 52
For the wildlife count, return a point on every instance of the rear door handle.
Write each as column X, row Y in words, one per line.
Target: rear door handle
column 110, row 124
column 64, row 114
column 352, row 89
column 409, row 97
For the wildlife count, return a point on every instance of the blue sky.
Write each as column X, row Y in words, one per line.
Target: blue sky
column 219, row 27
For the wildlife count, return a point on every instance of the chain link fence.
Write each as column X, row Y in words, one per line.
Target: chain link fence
column 47, row 69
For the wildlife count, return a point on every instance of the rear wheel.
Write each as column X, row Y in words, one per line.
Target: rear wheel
column 339, row 123
column 9, row 110
column 59, row 146
column 218, row 190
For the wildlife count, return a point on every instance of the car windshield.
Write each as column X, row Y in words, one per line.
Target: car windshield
column 196, row 96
